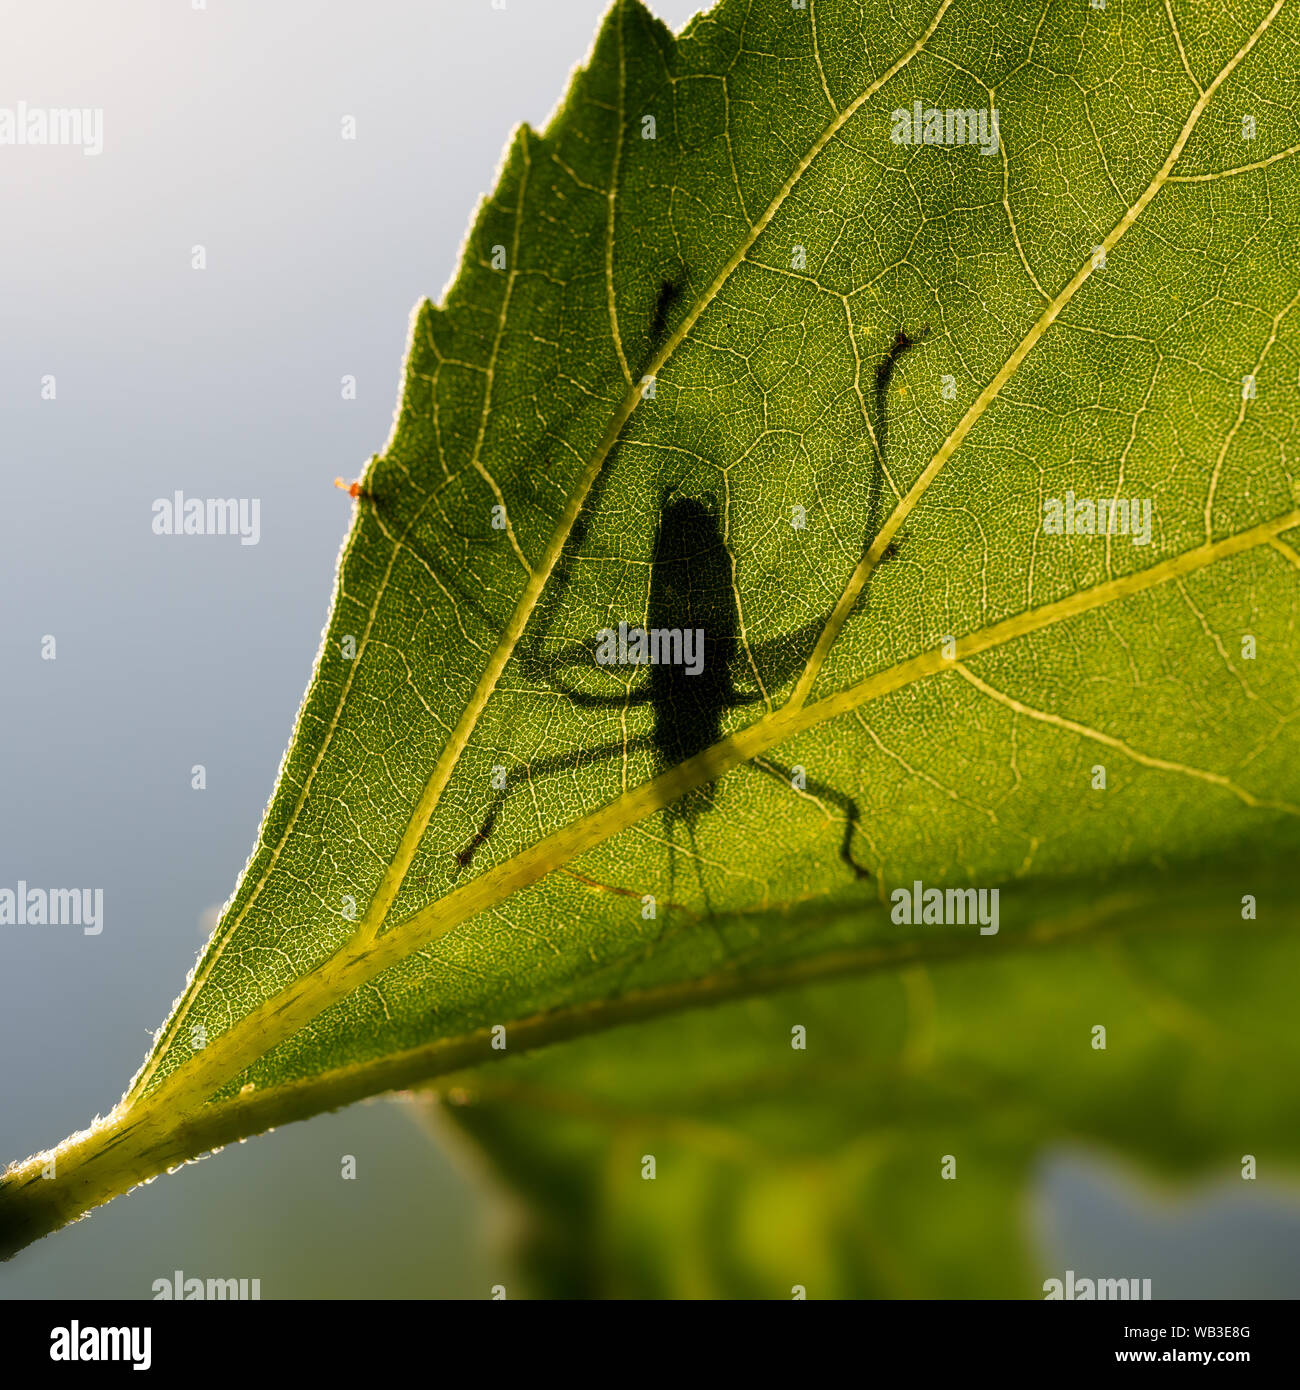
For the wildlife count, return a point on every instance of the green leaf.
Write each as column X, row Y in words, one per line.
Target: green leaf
column 820, row 1166
column 873, row 362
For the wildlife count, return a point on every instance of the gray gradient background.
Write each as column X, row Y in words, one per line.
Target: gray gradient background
column 222, row 127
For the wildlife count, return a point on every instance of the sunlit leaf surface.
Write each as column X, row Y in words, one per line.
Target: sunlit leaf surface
column 748, row 344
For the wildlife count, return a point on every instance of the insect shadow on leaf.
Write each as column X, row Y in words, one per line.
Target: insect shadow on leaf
column 691, row 591
column 884, row 375
column 691, row 610
column 666, row 297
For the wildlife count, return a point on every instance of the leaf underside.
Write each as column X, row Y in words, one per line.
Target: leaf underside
column 872, row 363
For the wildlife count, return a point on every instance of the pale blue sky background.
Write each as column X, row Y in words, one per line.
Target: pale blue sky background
column 222, row 128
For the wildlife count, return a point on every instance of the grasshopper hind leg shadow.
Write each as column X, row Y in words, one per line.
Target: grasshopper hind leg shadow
column 846, row 803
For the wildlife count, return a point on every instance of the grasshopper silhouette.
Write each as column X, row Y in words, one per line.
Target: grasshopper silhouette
column 690, row 590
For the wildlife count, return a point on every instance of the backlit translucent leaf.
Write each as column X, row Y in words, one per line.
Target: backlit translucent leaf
column 716, row 282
